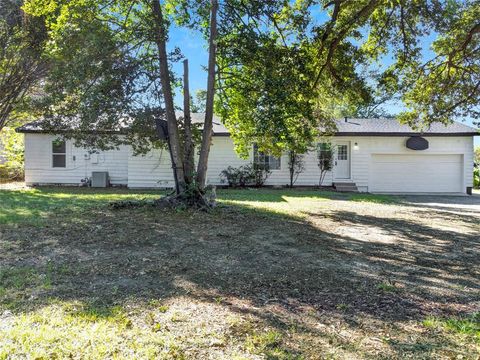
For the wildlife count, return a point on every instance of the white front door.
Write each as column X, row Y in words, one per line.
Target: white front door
column 342, row 160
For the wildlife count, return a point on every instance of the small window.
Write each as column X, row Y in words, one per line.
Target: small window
column 59, row 154
column 266, row 161
column 342, row 152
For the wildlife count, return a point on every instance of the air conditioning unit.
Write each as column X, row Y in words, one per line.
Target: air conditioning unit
column 100, row 179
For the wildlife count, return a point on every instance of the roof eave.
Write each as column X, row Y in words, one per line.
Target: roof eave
column 353, row 133
column 32, row 131
column 340, row 133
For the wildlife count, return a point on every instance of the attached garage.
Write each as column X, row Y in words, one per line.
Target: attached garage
column 416, row 173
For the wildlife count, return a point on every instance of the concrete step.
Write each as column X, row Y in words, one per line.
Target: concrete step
column 345, row 187
column 344, row 184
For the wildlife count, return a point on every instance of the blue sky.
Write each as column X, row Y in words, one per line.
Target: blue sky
column 194, row 47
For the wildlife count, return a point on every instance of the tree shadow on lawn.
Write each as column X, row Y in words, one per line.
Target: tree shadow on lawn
column 422, row 256
column 108, row 258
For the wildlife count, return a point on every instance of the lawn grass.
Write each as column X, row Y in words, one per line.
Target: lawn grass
column 34, row 206
column 292, row 202
column 467, row 327
column 269, row 274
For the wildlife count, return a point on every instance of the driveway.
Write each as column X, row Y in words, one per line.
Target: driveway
column 461, row 204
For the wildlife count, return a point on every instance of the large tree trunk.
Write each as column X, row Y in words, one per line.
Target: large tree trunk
column 208, row 126
column 189, row 165
column 173, row 133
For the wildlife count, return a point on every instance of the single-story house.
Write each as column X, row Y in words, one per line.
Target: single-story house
column 371, row 155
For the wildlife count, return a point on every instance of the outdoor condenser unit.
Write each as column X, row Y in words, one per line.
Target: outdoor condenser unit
column 100, row 179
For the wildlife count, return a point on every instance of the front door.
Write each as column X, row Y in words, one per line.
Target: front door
column 342, row 160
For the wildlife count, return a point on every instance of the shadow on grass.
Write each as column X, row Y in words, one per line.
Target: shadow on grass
column 106, row 258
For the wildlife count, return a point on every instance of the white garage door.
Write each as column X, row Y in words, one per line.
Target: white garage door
column 416, row 173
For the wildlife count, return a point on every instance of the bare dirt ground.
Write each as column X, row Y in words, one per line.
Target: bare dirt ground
column 336, row 279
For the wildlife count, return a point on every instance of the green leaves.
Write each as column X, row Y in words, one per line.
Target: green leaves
column 271, row 89
column 104, row 71
column 11, row 152
column 22, row 64
column 448, row 85
column 284, row 72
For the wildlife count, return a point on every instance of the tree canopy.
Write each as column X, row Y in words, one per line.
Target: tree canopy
column 286, row 72
column 283, row 70
column 111, row 81
column 22, row 65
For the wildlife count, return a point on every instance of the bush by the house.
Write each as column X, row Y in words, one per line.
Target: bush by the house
column 237, row 176
column 260, row 174
column 245, row 175
column 325, row 160
column 476, row 177
column 11, row 155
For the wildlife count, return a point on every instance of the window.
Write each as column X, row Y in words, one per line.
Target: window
column 266, row 161
column 342, row 152
column 59, row 155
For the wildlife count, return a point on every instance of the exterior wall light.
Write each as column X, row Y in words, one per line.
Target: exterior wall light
column 355, row 146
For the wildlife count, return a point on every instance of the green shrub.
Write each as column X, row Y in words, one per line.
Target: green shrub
column 476, row 177
column 325, row 160
column 11, row 155
column 237, row 177
column 260, row 174
column 245, row 175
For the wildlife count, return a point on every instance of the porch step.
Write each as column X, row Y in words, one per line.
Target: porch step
column 345, row 186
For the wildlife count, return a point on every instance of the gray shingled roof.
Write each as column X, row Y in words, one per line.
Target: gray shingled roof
column 218, row 127
column 357, row 127
column 392, row 127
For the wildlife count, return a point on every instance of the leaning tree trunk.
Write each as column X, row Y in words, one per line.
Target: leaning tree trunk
column 188, row 151
column 208, row 126
column 173, row 133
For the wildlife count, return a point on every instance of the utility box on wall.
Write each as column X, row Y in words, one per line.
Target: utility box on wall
column 100, row 179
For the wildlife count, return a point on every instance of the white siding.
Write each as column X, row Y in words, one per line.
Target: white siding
column 222, row 155
column 151, row 170
column 155, row 170
column 39, row 170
